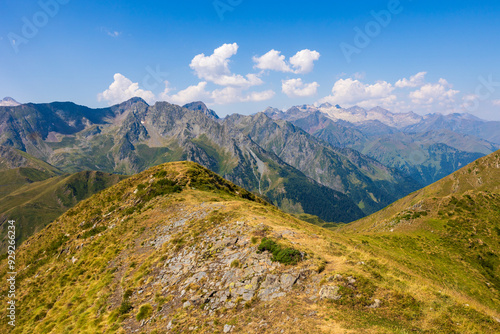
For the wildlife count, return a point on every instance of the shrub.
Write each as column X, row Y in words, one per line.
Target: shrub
column 125, row 307
column 127, row 294
column 161, row 174
column 282, row 255
column 159, row 188
column 144, row 312
column 268, row 245
column 235, row 264
column 288, row 256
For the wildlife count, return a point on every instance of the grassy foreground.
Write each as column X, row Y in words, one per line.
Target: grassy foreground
column 167, row 250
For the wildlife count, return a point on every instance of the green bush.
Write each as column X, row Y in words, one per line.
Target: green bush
column 144, row 312
column 268, row 245
column 125, row 307
column 127, row 294
column 161, row 174
column 282, row 255
column 159, row 188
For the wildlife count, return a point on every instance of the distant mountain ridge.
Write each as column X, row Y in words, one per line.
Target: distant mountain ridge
column 425, row 148
column 8, row 102
column 133, row 136
column 407, row 122
column 359, row 115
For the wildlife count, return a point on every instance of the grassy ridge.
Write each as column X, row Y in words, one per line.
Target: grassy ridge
column 449, row 232
column 83, row 273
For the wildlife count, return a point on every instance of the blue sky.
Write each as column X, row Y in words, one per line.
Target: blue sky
column 426, row 56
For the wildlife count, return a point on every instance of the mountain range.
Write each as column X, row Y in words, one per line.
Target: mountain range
column 426, row 148
column 275, row 159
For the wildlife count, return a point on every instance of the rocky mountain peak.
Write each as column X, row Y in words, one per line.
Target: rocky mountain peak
column 200, row 106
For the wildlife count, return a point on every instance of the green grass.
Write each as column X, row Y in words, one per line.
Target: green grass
column 35, row 204
column 225, row 161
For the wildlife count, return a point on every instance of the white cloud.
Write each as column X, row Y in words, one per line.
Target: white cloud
column 259, row 96
column 273, row 60
column 301, row 63
column 230, row 95
column 215, row 68
column 123, row 89
column 354, row 92
column 111, row 33
column 496, row 102
column 414, row 81
column 190, row 94
column 430, row 93
column 296, row 88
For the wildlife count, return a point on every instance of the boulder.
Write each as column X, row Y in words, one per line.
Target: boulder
column 330, row 292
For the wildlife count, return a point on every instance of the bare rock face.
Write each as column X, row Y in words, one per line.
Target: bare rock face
column 221, row 272
column 330, row 292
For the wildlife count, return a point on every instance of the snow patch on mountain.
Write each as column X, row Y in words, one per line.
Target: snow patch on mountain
column 9, row 102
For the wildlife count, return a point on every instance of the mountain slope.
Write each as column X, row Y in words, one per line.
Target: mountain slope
column 18, row 168
column 449, row 231
column 370, row 184
column 38, row 199
column 179, row 249
column 424, row 159
column 11, row 158
column 461, row 123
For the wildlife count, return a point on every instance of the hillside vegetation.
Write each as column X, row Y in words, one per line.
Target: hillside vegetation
column 34, row 199
column 449, row 232
column 178, row 249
